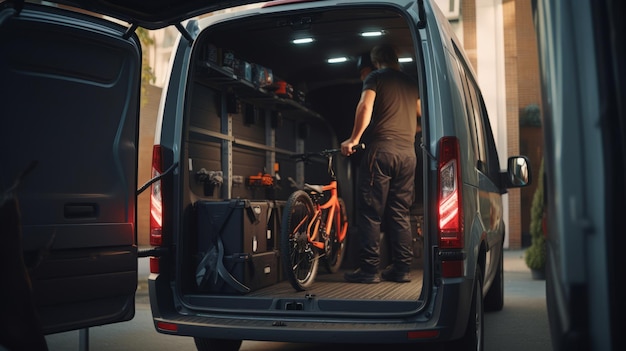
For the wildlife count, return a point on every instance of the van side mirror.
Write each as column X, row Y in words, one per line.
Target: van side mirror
column 518, row 173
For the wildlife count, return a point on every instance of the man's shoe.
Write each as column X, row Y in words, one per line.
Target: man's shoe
column 392, row 275
column 359, row 276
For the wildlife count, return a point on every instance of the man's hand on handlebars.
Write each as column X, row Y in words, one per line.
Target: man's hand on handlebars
column 349, row 146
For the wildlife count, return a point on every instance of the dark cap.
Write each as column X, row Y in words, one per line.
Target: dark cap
column 364, row 61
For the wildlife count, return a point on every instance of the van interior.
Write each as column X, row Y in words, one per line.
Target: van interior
column 255, row 98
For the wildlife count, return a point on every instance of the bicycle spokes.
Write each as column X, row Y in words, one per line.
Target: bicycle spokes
column 300, row 256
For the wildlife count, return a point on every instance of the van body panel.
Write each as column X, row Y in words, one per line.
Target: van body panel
column 581, row 59
column 80, row 134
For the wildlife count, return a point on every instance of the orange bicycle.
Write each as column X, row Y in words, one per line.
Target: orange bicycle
column 314, row 226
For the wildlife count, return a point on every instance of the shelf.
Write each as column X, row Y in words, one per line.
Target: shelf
column 205, row 134
column 225, row 80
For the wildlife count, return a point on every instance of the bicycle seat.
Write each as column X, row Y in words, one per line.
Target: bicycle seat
column 316, row 188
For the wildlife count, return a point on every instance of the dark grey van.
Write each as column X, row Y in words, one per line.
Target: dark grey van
column 240, row 101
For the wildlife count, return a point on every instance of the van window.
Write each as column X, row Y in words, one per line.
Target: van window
column 487, row 148
column 480, row 128
column 491, row 153
column 478, row 121
column 470, row 117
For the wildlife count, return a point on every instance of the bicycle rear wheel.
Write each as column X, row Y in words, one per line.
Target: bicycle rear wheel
column 299, row 258
column 334, row 249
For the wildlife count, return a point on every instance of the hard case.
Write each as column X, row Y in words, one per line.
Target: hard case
column 254, row 271
column 236, row 241
column 242, row 225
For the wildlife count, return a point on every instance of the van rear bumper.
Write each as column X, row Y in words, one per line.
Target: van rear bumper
column 431, row 324
column 299, row 331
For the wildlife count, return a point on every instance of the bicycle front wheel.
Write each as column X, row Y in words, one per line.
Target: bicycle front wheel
column 335, row 249
column 299, row 258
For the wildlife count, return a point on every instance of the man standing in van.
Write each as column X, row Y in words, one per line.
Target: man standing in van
column 390, row 108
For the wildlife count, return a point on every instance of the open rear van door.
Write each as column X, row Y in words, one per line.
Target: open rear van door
column 69, row 106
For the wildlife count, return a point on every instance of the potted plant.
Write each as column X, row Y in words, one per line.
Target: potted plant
column 536, row 254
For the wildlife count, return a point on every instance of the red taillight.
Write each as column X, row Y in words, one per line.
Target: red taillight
column 155, row 265
column 450, row 202
column 156, row 201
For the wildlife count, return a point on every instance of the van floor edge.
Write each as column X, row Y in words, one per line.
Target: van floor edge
column 333, row 286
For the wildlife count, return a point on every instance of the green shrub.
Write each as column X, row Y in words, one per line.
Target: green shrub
column 536, row 255
column 530, row 116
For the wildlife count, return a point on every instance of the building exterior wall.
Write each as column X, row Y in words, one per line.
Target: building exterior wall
column 528, row 93
column 499, row 39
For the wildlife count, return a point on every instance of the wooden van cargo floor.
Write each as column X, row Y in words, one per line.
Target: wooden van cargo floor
column 333, row 286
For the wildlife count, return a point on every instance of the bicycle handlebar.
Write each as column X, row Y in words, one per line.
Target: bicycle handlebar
column 361, row 146
column 325, row 153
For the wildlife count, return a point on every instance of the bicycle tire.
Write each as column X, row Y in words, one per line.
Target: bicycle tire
column 336, row 250
column 299, row 258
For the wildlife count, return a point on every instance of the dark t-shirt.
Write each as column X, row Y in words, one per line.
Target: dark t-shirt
column 394, row 118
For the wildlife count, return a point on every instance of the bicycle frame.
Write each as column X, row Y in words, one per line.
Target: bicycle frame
column 332, row 206
column 315, row 225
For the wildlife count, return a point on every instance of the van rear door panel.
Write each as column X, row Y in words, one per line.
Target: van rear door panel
column 70, row 107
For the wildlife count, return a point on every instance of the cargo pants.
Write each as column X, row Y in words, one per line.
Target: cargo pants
column 385, row 195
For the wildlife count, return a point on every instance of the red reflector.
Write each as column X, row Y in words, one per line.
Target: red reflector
column 156, row 236
column 167, row 326
column 452, row 269
column 154, row 264
column 422, row 334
